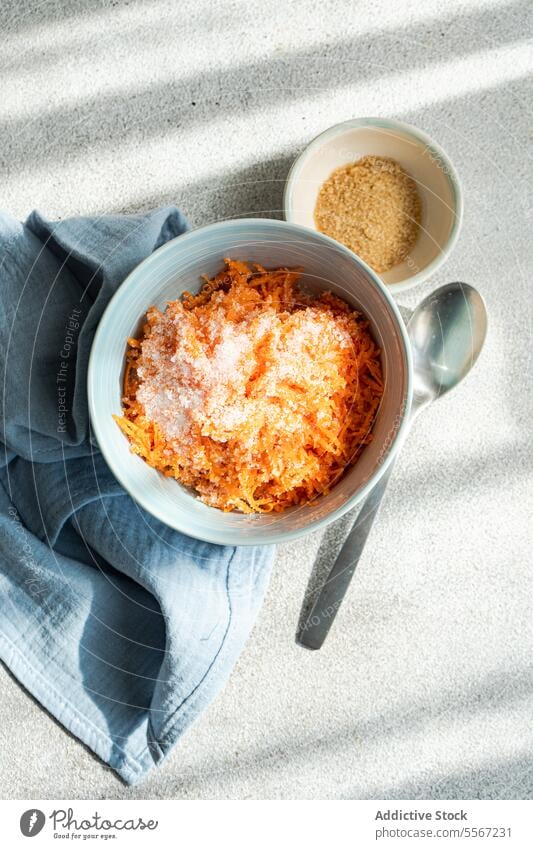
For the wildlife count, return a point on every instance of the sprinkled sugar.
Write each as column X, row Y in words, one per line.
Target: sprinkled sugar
column 252, row 393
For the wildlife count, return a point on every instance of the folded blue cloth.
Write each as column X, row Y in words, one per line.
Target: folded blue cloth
column 121, row 627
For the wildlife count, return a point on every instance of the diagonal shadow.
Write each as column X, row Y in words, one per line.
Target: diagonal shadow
column 194, row 100
column 504, row 778
column 233, row 193
column 500, row 690
column 151, row 25
column 256, row 189
column 16, row 19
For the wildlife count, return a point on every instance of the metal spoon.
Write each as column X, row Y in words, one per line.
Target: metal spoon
column 447, row 331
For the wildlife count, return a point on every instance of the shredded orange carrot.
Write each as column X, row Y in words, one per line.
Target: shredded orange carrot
column 252, row 393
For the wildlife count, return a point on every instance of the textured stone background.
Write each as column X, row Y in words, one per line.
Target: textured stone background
column 425, row 686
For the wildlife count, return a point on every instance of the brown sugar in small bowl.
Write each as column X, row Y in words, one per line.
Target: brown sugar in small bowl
column 418, row 155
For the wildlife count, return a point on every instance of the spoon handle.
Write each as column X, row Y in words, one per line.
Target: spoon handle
column 320, row 618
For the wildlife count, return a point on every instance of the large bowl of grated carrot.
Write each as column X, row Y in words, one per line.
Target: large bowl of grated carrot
column 250, row 382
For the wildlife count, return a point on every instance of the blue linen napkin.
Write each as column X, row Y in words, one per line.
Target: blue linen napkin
column 122, row 628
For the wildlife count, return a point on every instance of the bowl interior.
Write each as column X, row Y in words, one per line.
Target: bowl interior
column 428, row 166
column 167, row 274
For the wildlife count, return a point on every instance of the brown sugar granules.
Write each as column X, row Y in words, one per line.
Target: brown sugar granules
column 373, row 207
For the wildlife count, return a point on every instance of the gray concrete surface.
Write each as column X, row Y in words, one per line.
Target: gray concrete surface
column 425, row 687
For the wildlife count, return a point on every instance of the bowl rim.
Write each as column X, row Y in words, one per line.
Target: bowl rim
column 407, row 130
column 180, row 523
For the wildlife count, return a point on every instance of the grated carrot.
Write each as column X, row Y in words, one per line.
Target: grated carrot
column 252, row 393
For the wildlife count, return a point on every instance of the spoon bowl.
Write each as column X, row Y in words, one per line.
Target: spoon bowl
column 446, row 331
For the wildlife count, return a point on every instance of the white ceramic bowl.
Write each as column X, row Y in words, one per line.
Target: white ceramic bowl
column 177, row 266
column 422, row 158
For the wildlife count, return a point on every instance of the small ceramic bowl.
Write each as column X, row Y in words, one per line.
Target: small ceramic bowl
column 422, row 158
column 177, row 267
